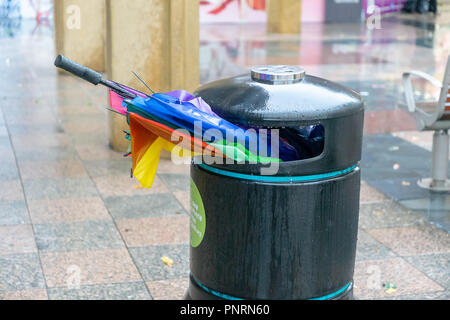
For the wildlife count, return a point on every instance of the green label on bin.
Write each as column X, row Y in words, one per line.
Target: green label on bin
column 198, row 218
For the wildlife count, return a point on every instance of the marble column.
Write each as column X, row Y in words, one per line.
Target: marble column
column 157, row 39
column 80, row 31
column 284, row 16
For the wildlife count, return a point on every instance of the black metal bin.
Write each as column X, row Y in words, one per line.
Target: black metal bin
column 291, row 235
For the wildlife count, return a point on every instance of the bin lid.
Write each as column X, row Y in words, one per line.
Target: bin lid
column 279, row 96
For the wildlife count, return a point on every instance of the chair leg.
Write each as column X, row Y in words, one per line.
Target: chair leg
column 439, row 166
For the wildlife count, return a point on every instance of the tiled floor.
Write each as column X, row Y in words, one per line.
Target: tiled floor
column 73, row 225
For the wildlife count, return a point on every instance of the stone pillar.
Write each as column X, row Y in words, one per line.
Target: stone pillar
column 80, row 31
column 284, row 16
column 159, row 40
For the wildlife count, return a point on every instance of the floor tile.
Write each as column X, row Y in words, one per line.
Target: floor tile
column 435, row 209
column 50, row 154
column 35, row 129
column 89, row 123
column 5, row 142
column 3, row 131
column 67, row 210
column 34, row 294
column 20, row 272
column 64, row 269
column 11, row 191
column 381, row 153
column 435, row 266
column 404, row 160
column 372, row 274
column 44, row 116
column 173, row 289
column 386, row 214
column 370, row 194
column 440, row 295
column 79, row 111
column 74, row 98
column 125, row 186
column 167, row 166
column 52, row 169
column 388, row 176
column 143, row 206
column 421, row 139
column 401, row 188
column 12, row 213
column 8, row 171
column 382, row 121
column 409, row 241
column 99, row 153
column 154, row 231
column 17, row 239
column 7, row 153
column 148, row 260
column 370, row 249
column 59, row 188
column 391, row 143
column 89, row 139
column 184, row 198
column 435, row 202
column 100, row 168
column 176, row 182
column 40, row 142
column 73, row 236
column 116, row 291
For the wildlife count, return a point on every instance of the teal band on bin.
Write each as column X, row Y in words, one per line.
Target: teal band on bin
column 334, row 294
column 228, row 297
column 217, row 294
column 275, row 178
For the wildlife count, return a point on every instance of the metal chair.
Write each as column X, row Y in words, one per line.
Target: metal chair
column 433, row 116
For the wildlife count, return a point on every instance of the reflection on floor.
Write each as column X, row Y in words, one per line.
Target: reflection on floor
column 393, row 166
column 73, row 225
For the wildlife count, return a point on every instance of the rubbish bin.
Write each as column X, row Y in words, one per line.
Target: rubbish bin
column 291, row 235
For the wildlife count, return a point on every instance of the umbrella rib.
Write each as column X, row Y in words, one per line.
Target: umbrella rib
column 143, row 82
column 115, row 111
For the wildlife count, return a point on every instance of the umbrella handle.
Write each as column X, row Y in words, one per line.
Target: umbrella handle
column 78, row 70
column 89, row 75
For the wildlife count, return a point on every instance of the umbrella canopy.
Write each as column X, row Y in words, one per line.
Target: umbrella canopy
column 156, row 119
column 149, row 138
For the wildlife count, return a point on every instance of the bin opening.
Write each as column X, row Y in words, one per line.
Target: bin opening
column 294, row 143
column 308, row 141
